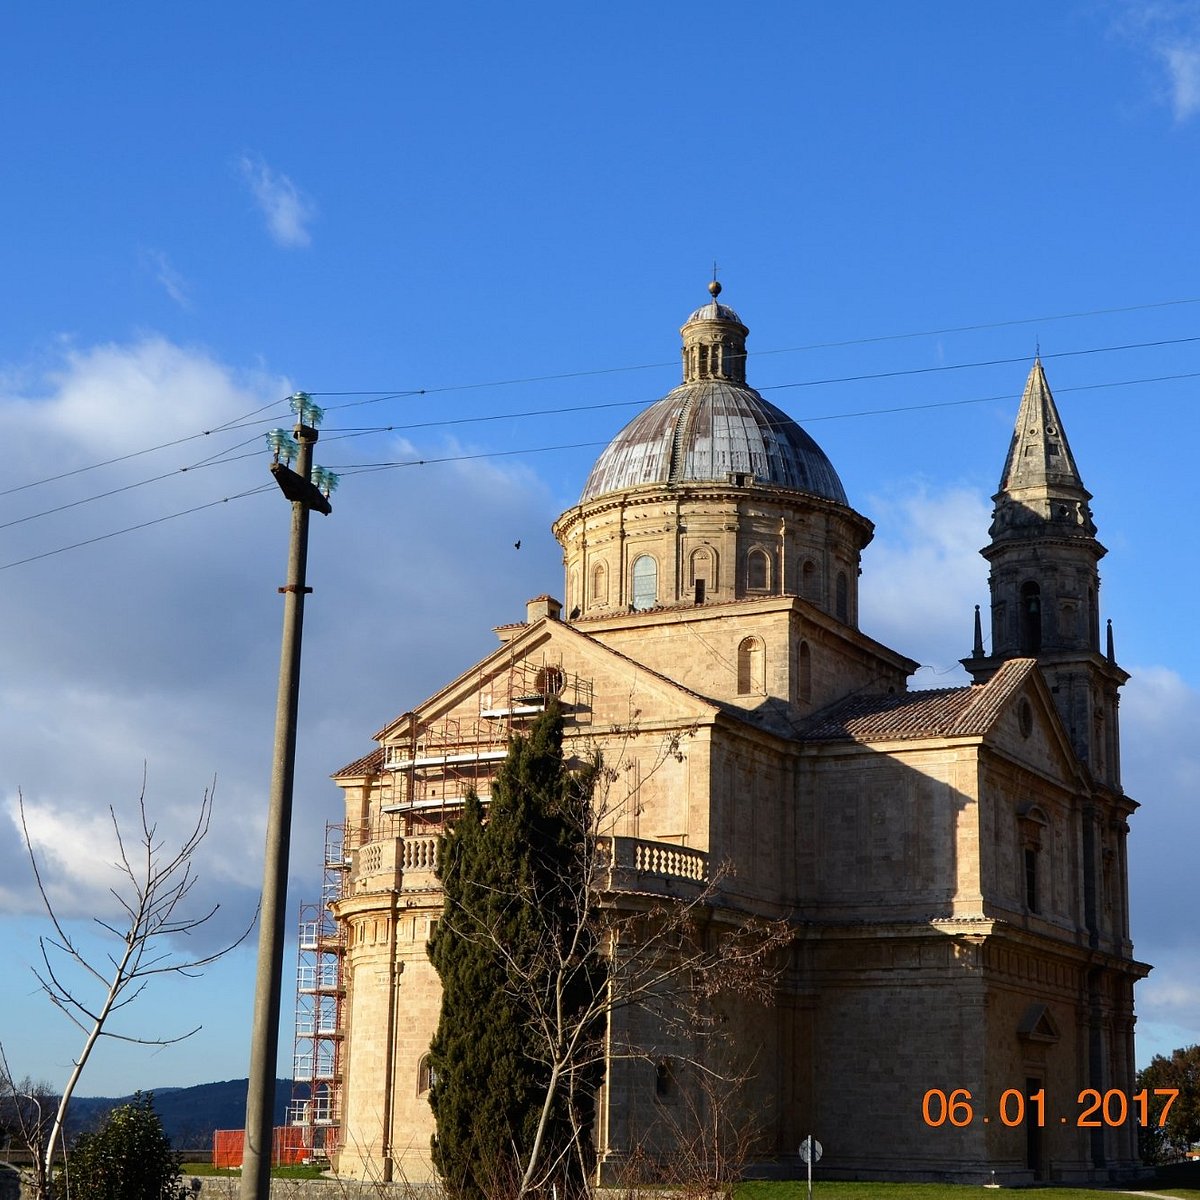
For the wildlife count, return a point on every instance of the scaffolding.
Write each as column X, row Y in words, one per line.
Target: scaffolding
column 320, row 994
column 433, row 767
column 425, row 779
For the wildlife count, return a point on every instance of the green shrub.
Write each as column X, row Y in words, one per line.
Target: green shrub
column 128, row 1158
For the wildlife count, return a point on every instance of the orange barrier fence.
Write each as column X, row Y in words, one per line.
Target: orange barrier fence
column 289, row 1146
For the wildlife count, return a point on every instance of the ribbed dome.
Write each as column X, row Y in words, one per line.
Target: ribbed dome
column 714, row 427
column 707, row 431
column 712, row 311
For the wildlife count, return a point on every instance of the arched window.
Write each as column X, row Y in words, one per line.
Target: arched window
column 803, row 673
column 599, row 584
column 751, row 676
column 808, row 580
column 645, row 582
column 426, row 1075
column 758, row 570
column 664, row 1080
column 842, row 608
column 1031, row 618
column 1033, row 827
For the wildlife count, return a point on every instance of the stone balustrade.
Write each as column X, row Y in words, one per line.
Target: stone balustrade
column 384, row 865
column 660, row 861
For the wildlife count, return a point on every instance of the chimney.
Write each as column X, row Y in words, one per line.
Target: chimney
column 542, row 606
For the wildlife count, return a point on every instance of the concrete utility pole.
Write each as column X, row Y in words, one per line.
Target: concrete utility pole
column 298, row 487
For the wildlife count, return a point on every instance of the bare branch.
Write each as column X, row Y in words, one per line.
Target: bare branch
column 152, row 896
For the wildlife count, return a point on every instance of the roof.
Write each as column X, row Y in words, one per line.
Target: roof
column 943, row 712
column 707, row 430
column 1039, row 454
column 714, row 427
column 712, row 311
column 369, row 764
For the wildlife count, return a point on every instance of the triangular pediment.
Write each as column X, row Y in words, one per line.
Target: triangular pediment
column 550, row 658
column 1037, row 1024
column 1025, row 726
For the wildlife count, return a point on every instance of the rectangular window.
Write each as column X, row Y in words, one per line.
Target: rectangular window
column 1031, row 879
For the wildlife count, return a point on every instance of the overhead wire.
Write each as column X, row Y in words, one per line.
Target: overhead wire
column 102, row 537
column 557, row 410
column 375, row 397
column 358, row 468
column 252, row 417
column 382, row 395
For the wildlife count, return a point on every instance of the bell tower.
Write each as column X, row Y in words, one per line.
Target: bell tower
column 1045, row 582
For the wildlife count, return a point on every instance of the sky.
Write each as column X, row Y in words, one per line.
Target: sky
column 471, row 232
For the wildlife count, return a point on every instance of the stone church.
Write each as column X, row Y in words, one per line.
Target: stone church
column 953, row 861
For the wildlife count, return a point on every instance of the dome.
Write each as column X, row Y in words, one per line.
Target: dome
column 706, row 432
column 714, row 427
column 712, row 311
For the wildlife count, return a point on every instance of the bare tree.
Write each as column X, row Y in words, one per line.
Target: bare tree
column 92, row 987
column 26, row 1110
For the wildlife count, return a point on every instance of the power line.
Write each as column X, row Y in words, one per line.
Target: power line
column 226, row 456
column 252, row 418
column 391, row 394
column 215, row 460
column 358, row 468
column 20, row 562
column 233, row 423
column 381, row 395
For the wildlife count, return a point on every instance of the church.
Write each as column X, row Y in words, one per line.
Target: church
column 952, row 862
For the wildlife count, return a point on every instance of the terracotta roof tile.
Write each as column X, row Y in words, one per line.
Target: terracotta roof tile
column 369, row 764
column 944, row 712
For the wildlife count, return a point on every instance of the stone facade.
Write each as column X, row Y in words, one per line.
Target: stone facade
column 952, row 862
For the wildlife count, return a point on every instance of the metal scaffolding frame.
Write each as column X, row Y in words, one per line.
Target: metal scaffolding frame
column 423, row 782
column 316, row 1103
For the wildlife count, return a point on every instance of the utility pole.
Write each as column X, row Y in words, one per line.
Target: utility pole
column 299, row 488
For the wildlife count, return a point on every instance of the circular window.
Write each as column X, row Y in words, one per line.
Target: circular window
column 549, row 681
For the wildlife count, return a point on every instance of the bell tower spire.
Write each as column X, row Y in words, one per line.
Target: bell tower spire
column 1045, row 580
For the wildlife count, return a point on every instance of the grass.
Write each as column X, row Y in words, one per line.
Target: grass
column 798, row 1190
column 293, row 1172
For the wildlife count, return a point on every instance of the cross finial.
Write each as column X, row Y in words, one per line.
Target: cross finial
column 714, row 288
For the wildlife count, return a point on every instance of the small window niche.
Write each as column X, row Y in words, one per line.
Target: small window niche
column 666, row 1086
column 751, row 667
column 842, row 598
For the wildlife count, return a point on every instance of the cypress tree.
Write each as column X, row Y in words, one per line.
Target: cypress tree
column 511, row 878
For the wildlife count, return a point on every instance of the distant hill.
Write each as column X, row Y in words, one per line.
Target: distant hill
column 189, row 1115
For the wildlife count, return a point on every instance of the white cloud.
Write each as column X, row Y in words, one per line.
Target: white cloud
column 1168, row 31
column 161, row 646
column 172, row 282
column 287, row 210
column 1160, row 712
column 923, row 575
column 1183, row 71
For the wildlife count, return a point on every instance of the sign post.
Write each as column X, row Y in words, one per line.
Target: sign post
column 810, row 1152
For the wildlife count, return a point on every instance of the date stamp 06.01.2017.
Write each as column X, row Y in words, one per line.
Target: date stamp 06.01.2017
column 1094, row 1109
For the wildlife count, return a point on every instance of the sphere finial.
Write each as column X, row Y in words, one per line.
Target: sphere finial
column 714, row 289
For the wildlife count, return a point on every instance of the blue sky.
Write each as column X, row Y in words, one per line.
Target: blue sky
column 474, row 231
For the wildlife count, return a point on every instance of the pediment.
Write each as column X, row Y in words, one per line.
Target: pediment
column 550, row 659
column 1037, row 1024
column 1028, row 729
